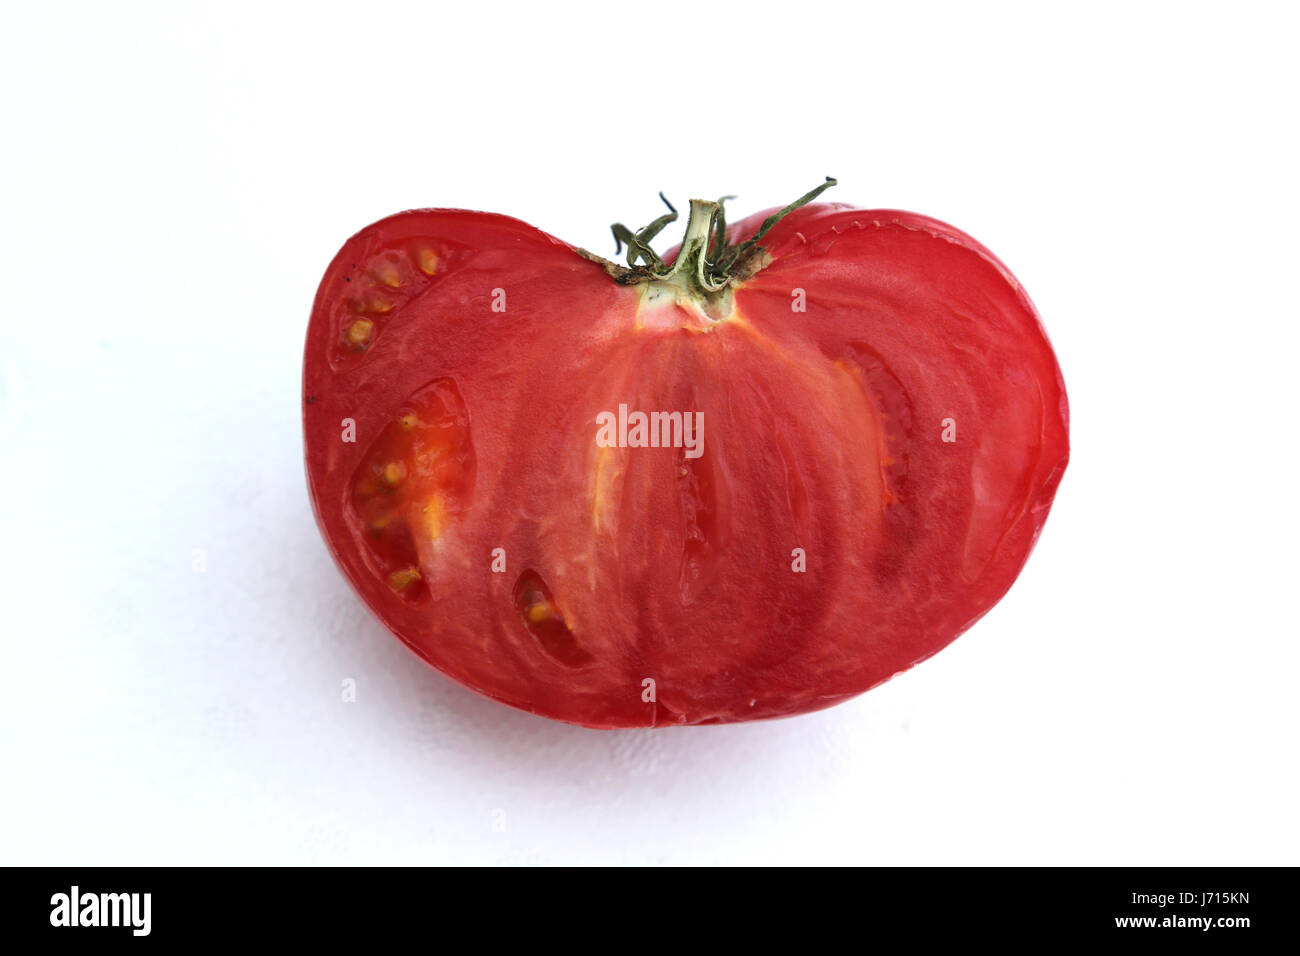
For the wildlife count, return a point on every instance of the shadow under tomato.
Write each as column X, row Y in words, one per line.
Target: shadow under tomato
column 475, row 757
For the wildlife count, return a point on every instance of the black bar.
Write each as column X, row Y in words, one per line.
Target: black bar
column 1232, row 908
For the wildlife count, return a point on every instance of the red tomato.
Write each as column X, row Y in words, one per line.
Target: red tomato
column 853, row 431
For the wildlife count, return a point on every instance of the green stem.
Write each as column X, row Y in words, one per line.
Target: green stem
column 692, row 267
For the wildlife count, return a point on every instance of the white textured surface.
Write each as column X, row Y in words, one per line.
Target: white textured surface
column 175, row 183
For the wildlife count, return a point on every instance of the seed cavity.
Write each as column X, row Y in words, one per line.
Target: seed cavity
column 413, row 481
column 896, row 435
column 698, row 493
column 380, row 285
column 543, row 618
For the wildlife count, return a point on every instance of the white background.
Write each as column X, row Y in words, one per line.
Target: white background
column 175, row 179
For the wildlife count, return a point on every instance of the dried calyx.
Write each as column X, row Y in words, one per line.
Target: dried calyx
column 707, row 264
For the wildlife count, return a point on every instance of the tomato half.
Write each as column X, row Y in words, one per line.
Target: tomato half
column 749, row 479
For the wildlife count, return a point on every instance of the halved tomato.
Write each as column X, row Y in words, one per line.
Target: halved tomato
column 748, row 479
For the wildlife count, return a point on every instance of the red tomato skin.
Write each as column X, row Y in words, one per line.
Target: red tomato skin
column 826, row 429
